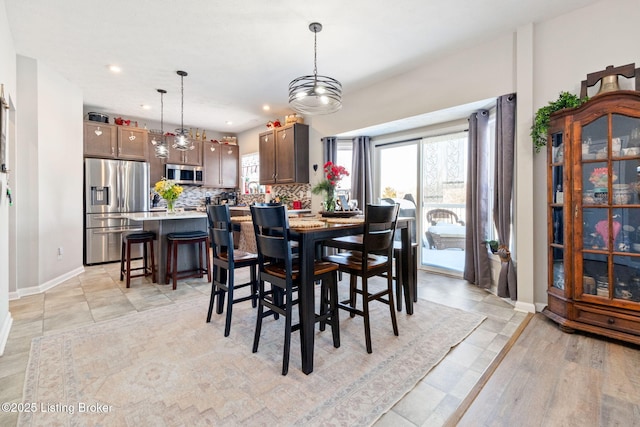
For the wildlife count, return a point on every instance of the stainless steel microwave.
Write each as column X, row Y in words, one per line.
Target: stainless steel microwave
column 184, row 174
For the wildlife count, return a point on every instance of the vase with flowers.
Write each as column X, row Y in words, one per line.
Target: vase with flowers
column 333, row 174
column 170, row 191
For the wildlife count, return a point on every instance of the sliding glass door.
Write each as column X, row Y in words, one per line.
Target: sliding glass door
column 428, row 178
column 444, row 186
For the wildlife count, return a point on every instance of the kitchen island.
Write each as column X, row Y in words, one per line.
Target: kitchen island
column 163, row 223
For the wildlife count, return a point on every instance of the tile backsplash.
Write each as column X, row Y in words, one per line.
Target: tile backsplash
column 195, row 195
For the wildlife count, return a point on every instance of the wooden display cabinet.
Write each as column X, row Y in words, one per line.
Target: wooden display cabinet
column 593, row 217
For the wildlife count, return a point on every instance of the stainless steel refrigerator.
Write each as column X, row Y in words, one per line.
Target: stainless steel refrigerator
column 111, row 188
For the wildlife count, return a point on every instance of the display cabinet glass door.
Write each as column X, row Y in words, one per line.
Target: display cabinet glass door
column 610, row 255
column 557, row 214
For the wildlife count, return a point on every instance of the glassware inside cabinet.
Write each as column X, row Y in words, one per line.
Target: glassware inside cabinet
column 558, row 184
column 625, row 131
column 595, row 229
column 558, row 225
column 595, row 136
column 557, row 147
column 558, row 272
column 624, row 225
column 626, row 273
column 595, row 274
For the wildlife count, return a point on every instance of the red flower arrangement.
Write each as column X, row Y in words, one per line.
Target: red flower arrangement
column 333, row 174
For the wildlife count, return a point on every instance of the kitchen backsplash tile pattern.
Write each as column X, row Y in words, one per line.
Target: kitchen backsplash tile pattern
column 194, row 196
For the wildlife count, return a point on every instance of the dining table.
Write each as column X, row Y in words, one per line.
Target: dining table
column 308, row 237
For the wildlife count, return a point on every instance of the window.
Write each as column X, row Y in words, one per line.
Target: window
column 344, row 158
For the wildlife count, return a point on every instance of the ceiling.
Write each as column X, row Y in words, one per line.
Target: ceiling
column 241, row 55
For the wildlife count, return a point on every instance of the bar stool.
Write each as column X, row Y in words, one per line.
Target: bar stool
column 199, row 238
column 145, row 237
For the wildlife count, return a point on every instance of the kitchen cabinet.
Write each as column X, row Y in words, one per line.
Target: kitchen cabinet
column 187, row 157
column 220, row 163
column 115, row 142
column 284, row 155
column 593, row 217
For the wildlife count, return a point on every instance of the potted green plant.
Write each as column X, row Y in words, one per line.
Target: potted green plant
column 540, row 126
column 493, row 245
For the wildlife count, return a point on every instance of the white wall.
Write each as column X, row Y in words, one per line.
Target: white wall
column 8, row 79
column 60, row 175
column 26, row 177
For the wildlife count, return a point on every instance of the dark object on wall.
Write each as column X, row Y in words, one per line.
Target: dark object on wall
column 4, row 108
column 98, row 117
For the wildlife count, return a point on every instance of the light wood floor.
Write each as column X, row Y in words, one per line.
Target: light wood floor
column 551, row 378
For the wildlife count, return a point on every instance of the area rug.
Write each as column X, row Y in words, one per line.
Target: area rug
column 168, row 367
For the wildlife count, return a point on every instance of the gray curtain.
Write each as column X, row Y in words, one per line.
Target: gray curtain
column 330, row 149
column 505, row 147
column 361, row 173
column 477, row 269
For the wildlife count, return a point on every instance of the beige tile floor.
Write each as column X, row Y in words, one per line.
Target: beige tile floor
column 97, row 294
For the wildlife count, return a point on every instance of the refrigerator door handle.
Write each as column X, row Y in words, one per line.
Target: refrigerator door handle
column 119, row 186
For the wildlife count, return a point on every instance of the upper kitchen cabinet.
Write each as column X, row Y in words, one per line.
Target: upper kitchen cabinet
column 114, row 142
column 284, row 155
column 220, row 163
column 187, row 157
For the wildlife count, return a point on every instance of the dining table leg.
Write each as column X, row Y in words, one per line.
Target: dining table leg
column 306, row 301
column 407, row 268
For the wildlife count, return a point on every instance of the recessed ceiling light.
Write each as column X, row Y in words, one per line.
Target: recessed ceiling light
column 115, row 68
column 229, row 122
column 145, row 107
column 266, row 107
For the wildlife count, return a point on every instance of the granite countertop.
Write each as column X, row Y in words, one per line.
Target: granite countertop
column 289, row 211
column 163, row 215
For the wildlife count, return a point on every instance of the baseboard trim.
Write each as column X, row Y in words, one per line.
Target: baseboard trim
column 455, row 418
column 33, row 290
column 527, row 307
column 4, row 332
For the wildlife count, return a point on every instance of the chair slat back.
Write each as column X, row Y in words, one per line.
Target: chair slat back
column 379, row 228
column 271, row 228
column 220, row 230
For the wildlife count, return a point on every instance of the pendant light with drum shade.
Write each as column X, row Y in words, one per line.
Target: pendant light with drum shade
column 315, row 94
column 160, row 144
column 182, row 141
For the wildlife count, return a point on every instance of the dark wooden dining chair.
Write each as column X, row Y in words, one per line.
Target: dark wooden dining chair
column 277, row 266
column 373, row 257
column 354, row 243
column 226, row 260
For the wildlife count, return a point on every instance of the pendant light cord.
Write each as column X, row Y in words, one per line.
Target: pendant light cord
column 182, row 104
column 315, row 54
